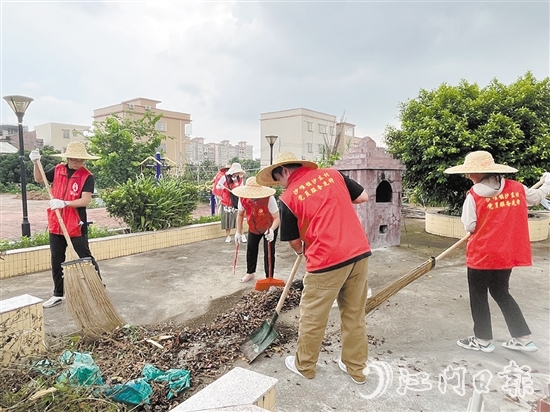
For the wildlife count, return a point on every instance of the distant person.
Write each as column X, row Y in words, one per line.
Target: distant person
column 72, row 188
column 262, row 215
column 319, row 220
column 229, row 202
column 215, row 191
column 495, row 214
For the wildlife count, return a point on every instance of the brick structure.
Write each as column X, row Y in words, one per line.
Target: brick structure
column 381, row 176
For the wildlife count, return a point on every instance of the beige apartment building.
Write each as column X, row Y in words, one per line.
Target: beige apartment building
column 171, row 124
column 303, row 132
column 219, row 153
column 59, row 135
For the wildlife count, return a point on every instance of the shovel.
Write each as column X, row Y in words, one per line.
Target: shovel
column 262, row 337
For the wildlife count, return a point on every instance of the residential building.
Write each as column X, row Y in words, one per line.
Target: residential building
column 59, row 135
column 11, row 129
column 30, row 141
column 305, row 133
column 218, row 153
column 172, row 124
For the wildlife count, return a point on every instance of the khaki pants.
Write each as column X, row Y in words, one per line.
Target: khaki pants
column 349, row 286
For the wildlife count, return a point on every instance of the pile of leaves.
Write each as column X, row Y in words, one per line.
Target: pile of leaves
column 206, row 351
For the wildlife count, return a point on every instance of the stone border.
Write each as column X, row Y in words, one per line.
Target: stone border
column 439, row 224
column 37, row 259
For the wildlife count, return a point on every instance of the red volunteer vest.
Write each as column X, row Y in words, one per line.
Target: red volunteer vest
column 257, row 214
column 501, row 239
column 215, row 191
column 226, row 196
column 327, row 221
column 67, row 189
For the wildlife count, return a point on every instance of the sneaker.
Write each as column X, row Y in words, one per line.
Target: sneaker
column 515, row 344
column 53, row 301
column 228, row 239
column 473, row 344
column 291, row 365
column 344, row 368
column 243, row 238
column 248, row 277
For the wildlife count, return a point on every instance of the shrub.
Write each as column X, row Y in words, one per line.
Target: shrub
column 145, row 204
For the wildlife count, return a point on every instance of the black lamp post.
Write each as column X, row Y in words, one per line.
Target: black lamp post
column 271, row 139
column 19, row 106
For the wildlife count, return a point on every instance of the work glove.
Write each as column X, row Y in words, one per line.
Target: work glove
column 269, row 235
column 34, row 155
column 238, row 238
column 546, row 176
column 57, row 204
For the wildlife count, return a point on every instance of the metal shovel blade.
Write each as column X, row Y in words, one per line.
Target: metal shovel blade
column 260, row 339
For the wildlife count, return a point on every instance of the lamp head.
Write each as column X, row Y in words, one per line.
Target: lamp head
column 271, row 139
column 19, row 105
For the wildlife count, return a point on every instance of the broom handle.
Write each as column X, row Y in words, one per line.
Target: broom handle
column 288, row 284
column 57, row 212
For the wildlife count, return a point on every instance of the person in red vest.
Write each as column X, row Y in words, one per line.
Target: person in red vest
column 262, row 215
column 318, row 219
column 496, row 216
column 215, row 191
column 72, row 189
column 229, row 202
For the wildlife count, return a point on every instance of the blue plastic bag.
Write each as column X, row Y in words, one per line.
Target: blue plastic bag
column 83, row 370
column 177, row 379
column 134, row 392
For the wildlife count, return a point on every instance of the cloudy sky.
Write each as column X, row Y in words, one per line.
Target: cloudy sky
column 225, row 62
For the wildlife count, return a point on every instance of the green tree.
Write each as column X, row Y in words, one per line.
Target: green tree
column 122, row 144
column 439, row 127
column 10, row 172
column 251, row 167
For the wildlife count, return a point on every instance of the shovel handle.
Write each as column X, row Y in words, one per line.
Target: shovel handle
column 288, row 284
column 57, row 212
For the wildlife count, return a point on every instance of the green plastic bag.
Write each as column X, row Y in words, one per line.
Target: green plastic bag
column 134, row 392
column 83, row 370
column 177, row 379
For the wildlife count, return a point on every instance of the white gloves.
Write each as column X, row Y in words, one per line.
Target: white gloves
column 546, row 176
column 269, row 235
column 34, row 155
column 57, row 204
column 238, row 238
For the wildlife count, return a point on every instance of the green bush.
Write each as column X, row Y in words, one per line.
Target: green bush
column 145, row 205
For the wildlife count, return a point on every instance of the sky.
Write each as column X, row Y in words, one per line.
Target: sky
column 226, row 62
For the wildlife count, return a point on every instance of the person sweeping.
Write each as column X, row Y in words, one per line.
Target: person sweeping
column 496, row 216
column 72, row 189
column 262, row 215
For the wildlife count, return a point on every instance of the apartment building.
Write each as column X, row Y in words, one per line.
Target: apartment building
column 218, row 153
column 305, row 133
column 59, row 135
column 171, row 124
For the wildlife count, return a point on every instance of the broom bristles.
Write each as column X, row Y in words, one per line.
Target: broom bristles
column 396, row 286
column 87, row 300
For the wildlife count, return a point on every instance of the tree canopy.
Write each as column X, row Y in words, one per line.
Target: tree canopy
column 439, row 127
column 122, row 144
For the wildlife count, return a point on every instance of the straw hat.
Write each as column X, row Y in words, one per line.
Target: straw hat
column 480, row 162
column 252, row 190
column 235, row 169
column 225, row 168
column 282, row 158
column 77, row 150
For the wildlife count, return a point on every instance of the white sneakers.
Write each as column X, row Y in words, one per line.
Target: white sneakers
column 243, row 238
column 228, row 239
column 248, row 277
column 290, row 364
column 344, row 368
column 53, row 301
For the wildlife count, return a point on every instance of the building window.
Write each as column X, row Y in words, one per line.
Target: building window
column 310, row 147
column 332, row 130
column 310, row 126
column 160, row 126
column 322, row 128
column 320, row 148
column 66, row 134
column 349, row 131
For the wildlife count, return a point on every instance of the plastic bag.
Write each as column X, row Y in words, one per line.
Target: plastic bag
column 177, row 379
column 83, row 370
column 134, row 392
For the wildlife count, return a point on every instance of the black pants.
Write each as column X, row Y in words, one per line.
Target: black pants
column 252, row 248
column 58, row 247
column 497, row 283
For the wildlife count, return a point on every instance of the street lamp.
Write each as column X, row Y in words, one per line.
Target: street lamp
column 19, row 106
column 271, row 139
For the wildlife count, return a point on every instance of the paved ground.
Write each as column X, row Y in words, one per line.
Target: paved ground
column 416, row 330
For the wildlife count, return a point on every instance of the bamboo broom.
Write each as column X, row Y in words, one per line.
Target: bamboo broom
column 421, row 270
column 85, row 295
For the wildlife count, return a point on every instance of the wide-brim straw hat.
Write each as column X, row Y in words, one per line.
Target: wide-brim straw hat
column 480, row 162
column 252, row 190
column 77, row 150
column 225, row 168
column 235, row 169
column 282, row 158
